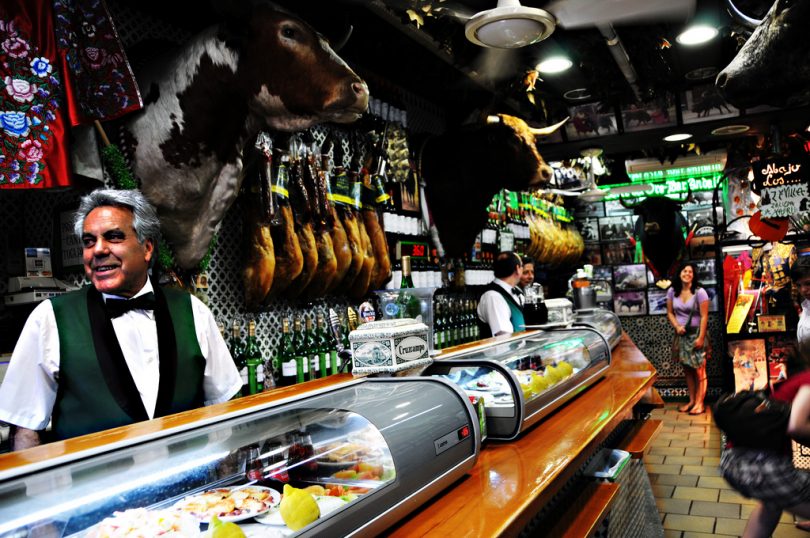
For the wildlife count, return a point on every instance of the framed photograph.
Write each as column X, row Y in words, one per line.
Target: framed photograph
column 657, row 300
column 630, row 277
column 702, row 245
column 67, row 251
column 591, row 120
column 778, row 349
column 771, row 323
column 617, row 252
column 603, row 289
column 592, row 254
column 603, row 272
column 713, row 299
column 615, row 207
column 750, row 364
column 589, row 209
column 630, row 303
column 704, row 103
column 649, row 115
column 588, row 229
column 699, row 200
column 616, row 227
column 701, row 217
column 705, row 271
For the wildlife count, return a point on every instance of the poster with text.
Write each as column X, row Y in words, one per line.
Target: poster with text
column 749, row 363
column 783, row 186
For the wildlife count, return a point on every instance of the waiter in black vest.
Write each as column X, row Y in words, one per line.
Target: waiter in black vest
column 500, row 309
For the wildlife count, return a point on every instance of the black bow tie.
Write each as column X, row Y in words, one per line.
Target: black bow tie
column 119, row 307
column 517, row 291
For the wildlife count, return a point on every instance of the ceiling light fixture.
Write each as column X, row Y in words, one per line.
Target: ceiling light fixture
column 696, row 34
column 677, row 137
column 730, row 130
column 509, row 26
column 554, row 64
column 701, row 73
column 577, row 94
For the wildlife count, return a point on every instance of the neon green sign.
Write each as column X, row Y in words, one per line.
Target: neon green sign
column 670, row 186
column 685, row 172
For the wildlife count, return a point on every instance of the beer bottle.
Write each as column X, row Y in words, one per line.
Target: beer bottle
column 311, row 350
column 237, row 349
column 285, row 356
column 301, row 356
column 324, row 356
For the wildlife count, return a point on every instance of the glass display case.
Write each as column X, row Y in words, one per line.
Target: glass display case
column 526, row 377
column 604, row 321
column 347, row 462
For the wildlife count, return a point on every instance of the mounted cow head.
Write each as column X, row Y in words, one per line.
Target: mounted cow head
column 660, row 228
column 771, row 68
column 206, row 102
column 463, row 170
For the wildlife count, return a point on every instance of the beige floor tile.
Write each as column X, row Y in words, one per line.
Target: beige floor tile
column 746, row 509
column 703, row 452
column 677, row 480
column 690, row 428
column 701, row 470
column 668, row 435
column 654, row 458
column 703, row 508
column 788, row 530
column 663, row 469
column 698, row 535
column 696, row 494
column 731, row 496
column 683, row 460
column 661, row 491
column 673, row 451
column 712, row 460
column 702, row 436
column 697, row 443
column 733, row 527
column 689, row 523
column 673, row 506
column 713, row 482
column 669, row 533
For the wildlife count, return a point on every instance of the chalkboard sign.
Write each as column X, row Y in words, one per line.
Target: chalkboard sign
column 784, row 185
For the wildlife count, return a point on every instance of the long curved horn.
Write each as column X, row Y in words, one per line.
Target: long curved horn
column 628, row 206
column 688, row 195
column 340, row 43
column 741, row 17
column 545, row 131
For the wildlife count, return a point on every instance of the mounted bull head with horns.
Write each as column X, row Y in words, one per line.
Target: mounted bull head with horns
column 463, row 169
column 264, row 69
column 772, row 67
column 661, row 228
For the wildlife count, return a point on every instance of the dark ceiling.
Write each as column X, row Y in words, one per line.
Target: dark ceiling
column 437, row 63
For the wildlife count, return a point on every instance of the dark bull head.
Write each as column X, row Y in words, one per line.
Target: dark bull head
column 270, row 70
column 463, row 169
column 659, row 227
column 772, row 67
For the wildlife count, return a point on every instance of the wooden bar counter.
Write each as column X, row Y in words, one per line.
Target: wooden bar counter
column 512, row 481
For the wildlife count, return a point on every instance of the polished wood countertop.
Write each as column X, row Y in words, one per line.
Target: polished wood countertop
column 512, row 481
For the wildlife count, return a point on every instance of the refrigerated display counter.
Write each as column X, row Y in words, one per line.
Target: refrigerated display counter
column 604, row 321
column 523, row 379
column 364, row 453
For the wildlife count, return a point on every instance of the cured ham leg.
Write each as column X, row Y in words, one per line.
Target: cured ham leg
column 361, row 283
column 309, row 251
column 288, row 255
column 379, row 245
column 327, row 266
column 260, row 266
column 342, row 250
column 351, row 225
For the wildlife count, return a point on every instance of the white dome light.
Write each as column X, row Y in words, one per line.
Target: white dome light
column 677, row 137
column 697, row 34
column 555, row 64
column 509, row 26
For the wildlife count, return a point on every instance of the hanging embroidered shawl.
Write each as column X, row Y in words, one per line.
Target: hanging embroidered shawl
column 41, row 47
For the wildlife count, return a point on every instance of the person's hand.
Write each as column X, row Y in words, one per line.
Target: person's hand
column 698, row 343
column 680, row 330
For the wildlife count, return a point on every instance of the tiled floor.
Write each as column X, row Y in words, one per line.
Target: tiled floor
column 694, row 500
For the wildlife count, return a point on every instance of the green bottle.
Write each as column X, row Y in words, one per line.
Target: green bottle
column 237, row 349
column 438, row 326
column 324, row 355
column 409, row 306
column 285, row 356
column 311, row 349
column 253, row 359
column 301, row 358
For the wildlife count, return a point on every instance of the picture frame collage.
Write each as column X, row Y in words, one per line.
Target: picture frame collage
column 607, row 229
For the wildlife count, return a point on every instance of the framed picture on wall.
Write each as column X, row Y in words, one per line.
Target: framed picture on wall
column 704, row 103
column 589, row 209
column 630, row 277
column 603, row 272
column 749, row 363
column 705, row 271
column 630, row 303
column 713, row 298
column 617, row 252
column 66, row 255
column 592, row 254
column 657, row 301
column 615, row 207
column 588, row 121
column 615, row 227
column 588, row 229
column 649, row 115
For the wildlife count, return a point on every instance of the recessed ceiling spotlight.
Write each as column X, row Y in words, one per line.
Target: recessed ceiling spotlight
column 577, row 94
column 554, row 64
column 677, row 137
column 696, row 34
column 730, row 130
column 701, row 73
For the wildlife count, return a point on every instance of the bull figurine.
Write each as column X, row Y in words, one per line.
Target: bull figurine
column 462, row 170
column 661, row 228
column 205, row 103
column 771, row 67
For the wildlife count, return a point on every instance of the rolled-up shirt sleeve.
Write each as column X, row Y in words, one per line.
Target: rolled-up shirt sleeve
column 221, row 380
column 28, row 392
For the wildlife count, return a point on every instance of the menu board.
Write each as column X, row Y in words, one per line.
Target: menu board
column 783, row 184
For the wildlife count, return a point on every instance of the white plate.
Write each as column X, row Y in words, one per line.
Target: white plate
column 326, row 504
column 274, row 499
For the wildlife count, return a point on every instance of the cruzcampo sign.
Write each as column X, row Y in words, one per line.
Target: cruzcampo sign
column 783, row 184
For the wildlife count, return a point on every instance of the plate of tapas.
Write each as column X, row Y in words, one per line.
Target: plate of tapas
column 234, row 503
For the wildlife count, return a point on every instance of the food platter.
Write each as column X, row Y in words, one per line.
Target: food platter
column 229, row 504
column 326, row 504
column 138, row 522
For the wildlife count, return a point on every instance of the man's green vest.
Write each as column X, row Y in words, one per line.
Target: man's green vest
column 89, row 398
column 515, row 311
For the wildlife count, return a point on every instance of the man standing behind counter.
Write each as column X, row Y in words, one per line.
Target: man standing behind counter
column 500, row 309
column 120, row 351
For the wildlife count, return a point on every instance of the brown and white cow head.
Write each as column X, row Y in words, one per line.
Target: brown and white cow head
column 772, row 67
column 206, row 102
